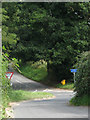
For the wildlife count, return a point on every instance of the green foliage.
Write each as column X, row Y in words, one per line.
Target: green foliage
column 82, row 76
column 5, row 83
column 19, row 95
column 15, row 62
column 5, row 86
column 69, row 86
column 36, row 71
column 55, row 32
column 9, row 38
column 80, row 101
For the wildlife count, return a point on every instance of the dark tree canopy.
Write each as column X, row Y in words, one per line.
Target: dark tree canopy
column 55, row 32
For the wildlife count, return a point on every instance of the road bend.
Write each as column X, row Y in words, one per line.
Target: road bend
column 57, row 107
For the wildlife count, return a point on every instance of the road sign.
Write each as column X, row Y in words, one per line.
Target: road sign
column 73, row 70
column 9, row 75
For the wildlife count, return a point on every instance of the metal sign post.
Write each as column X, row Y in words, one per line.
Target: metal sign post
column 74, row 77
column 74, row 71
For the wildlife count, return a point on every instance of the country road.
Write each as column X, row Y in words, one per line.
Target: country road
column 21, row 82
column 57, row 107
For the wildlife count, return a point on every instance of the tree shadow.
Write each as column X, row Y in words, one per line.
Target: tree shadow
column 28, row 86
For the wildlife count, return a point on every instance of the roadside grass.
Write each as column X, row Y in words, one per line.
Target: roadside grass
column 36, row 71
column 69, row 86
column 20, row 95
column 80, row 101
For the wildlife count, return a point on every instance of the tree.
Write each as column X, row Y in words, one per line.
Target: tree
column 55, row 32
column 9, row 38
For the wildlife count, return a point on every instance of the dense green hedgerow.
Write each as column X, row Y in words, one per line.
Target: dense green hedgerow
column 5, row 86
column 78, row 101
column 82, row 76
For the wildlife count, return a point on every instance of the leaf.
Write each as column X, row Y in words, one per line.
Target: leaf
column 13, row 59
column 6, row 55
column 17, row 65
column 3, row 47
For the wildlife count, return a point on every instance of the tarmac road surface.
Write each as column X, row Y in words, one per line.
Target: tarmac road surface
column 20, row 82
column 57, row 107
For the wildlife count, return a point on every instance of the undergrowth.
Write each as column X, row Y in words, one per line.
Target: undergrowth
column 36, row 71
column 69, row 86
column 80, row 101
column 19, row 95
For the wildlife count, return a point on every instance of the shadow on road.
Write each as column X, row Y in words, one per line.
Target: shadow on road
column 28, row 86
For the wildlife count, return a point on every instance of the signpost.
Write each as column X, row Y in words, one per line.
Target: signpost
column 74, row 71
column 9, row 75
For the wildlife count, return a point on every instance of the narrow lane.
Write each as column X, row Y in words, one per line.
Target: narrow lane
column 52, row 108
column 20, row 82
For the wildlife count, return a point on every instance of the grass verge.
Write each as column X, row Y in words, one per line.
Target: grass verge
column 20, row 95
column 36, row 71
column 69, row 86
column 80, row 101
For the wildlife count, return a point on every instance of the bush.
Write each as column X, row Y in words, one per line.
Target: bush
column 69, row 86
column 82, row 76
column 5, row 86
column 77, row 101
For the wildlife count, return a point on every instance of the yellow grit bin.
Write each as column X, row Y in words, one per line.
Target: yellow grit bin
column 63, row 82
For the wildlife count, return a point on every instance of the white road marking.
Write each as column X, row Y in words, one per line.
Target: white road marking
column 35, row 91
column 53, row 90
column 18, row 81
column 11, row 84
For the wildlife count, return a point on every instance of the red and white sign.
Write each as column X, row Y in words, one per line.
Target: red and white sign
column 9, row 75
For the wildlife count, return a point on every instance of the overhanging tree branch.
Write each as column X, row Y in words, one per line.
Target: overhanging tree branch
column 11, row 62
